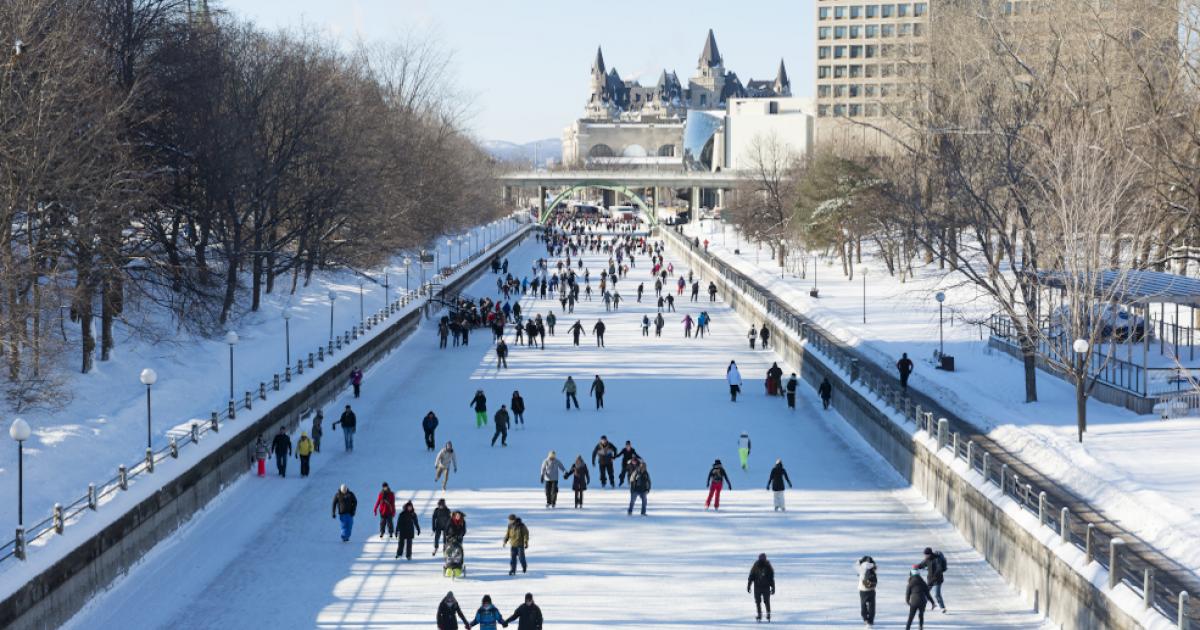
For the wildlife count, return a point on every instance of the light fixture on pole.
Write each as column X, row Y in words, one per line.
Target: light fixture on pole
column 19, row 430
column 148, row 377
column 940, row 297
column 407, row 264
column 332, row 299
column 1081, row 347
column 287, row 335
column 862, row 270
column 231, row 338
column 361, row 319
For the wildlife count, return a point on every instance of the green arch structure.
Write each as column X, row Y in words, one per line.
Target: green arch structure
column 650, row 212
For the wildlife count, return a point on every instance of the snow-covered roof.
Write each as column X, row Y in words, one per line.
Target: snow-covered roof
column 1134, row 286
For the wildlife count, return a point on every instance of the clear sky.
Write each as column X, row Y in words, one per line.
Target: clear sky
column 524, row 64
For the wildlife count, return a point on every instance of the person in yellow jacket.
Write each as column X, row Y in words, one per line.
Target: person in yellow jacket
column 304, row 450
column 517, row 537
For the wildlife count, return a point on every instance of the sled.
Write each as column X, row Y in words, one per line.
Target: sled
column 454, row 566
column 771, row 390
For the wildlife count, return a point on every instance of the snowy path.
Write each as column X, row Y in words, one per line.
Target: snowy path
column 264, row 555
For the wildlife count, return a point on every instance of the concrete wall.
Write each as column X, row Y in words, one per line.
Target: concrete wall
column 1059, row 591
column 51, row 598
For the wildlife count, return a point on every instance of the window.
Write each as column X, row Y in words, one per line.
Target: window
column 872, row 10
column 855, row 12
column 854, row 90
column 885, row 90
column 839, row 32
column 872, row 31
column 901, row 10
column 823, row 13
column 905, row 30
column 773, row 107
column 823, row 32
column 839, row 13
column 870, row 71
column 885, row 10
column 855, row 110
column 870, row 109
column 918, row 29
column 839, row 52
column 919, row 9
column 822, row 91
column 888, row 30
column 870, row 51
column 855, row 72
column 822, row 52
column 703, row 100
column 839, row 72
column 822, row 72
column 855, row 52
column 886, row 70
column 855, row 32
column 839, row 91
column 822, row 111
column 870, row 90
column 839, row 110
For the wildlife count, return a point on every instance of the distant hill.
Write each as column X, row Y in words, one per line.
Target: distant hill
column 543, row 150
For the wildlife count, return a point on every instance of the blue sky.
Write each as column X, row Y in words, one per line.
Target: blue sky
column 524, row 65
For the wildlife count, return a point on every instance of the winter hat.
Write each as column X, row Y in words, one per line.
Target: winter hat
column 779, row 462
column 928, row 551
column 487, row 599
column 344, row 488
column 717, row 462
column 303, row 434
column 552, row 454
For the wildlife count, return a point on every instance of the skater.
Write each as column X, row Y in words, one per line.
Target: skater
column 260, row 455
column 406, row 524
column 429, row 424
column 735, row 380
column 502, row 353
column 438, row 523
column 712, row 292
column 349, row 423
column 579, row 471
column 442, row 463
column 517, row 539
column 501, row 426
column 356, row 378
column 598, row 330
column 344, row 505
column 606, row 452
column 639, row 485
column 752, row 335
column 569, row 388
column 449, row 612
column 529, row 614
column 551, row 469
column 479, row 403
column 317, row 432
column 487, row 616
column 628, row 457
column 764, row 334
column 641, row 288
column 935, row 565
column 456, row 529
column 385, row 509
column 304, row 450
column 717, row 480
column 597, row 390
column 905, row 367
column 775, row 484
column 775, row 380
column 659, row 322
column 576, row 329
column 687, row 326
column 868, row 579
column 744, row 450
column 281, row 446
column 518, row 408
column 670, row 303
column 762, row 581
column 916, row 595
column 645, row 325
column 825, row 389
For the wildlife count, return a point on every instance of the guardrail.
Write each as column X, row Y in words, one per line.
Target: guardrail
column 62, row 516
column 1162, row 592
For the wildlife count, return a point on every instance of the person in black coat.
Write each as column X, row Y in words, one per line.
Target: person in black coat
column 717, row 480
column 429, row 425
column 628, row 455
column 935, row 564
column 439, row 522
column 405, row 524
column 579, row 471
column 825, row 389
column 905, row 367
column 775, row 484
column 449, row 612
column 762, row 581
column 916, row 595
column 282, row 447
column 606, row 452
column 518, row 408
column 529, row 614
column 790, row 388
column 597, row 390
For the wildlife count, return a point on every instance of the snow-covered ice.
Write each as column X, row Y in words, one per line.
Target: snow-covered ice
column 263, row 554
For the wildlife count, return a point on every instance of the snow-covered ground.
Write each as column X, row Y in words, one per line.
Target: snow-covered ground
column 104, row 424
column 1138, row 469
column 264, row 555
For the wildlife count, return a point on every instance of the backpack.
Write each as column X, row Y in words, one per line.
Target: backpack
column 941, row 560
column 870, row 579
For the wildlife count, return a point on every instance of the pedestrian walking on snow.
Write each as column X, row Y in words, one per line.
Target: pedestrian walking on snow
column 304, row 450
column 349, row 423
column 487, row 616
column 576, row 329
column 502, row 353
column 606, row 452
column 317, row 431
column 764, row 334
column 551, row 469
column 449, row 612
column 443, row 462
column 687, row 326
column 405, row 526
column 639, row 485
column 501, row 426
column 752, row 335
column 344, row 505
column 905, row 367
column 579, row 471
column 762, row 582
column 385, row 509
column 717, row 480
column 734, row 377
column 438, row 523
column 429, row 425
column 916, row 595
column 935, row 567
column 775, row 484
column 598, row 330
column 517, row 539
column 479, row 404
column 645, row 325
column 629, row 457
column 744, row 450
column 529, row 614
column 356, row 379
column 281, row 446
column 569, row 388
column 260, row 455
column 868, row 579
column 597, row 390
column 518, row 408
column 659, row 322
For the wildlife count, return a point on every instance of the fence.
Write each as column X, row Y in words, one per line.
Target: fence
column 1162, row 592
column 63, row 516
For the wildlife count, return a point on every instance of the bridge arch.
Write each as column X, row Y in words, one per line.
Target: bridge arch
column 650, row 213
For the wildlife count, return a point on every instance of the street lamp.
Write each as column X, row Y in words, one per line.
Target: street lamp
column 148, row 378
column 386, row 297
column 19, row 431
column 1081, row 347
column 862, row 270
column 940, row 297
column 231, row 338
column 407, row 264
column 450, row 250
column 361, row 319
column 287, row 334
column 332, row 299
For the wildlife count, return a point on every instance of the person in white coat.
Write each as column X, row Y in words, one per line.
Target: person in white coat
column 752, row 335
column 551, row 469
column 735, row 380
column 443, row 462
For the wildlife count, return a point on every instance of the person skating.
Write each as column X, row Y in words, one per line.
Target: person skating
column 916, row 595
column 304, row 450
column 775, row 380
column 752, row 335
column 517, row 539
column 791, row 386
column 628, row 457
column 775, row 484
column 579, row 471
column 762, row 582
column 479, row 404
column 670, row 303
column 868, row 579
column 385, row 509
column 502, row 353
column 718, row 479
column 260, row 455
column 905, row 367
column 449, row 612
column 551, row 469
column 550, row 321
column 438, row 523
column 518, row 408
column 687, row 326
column 349, row 423
column 639, row 485
column 935, row 565
column 712, row 292
column 645, row 325
column 734, row 378
column 569, row 388
column 487, row 616
column 529, row 614
column 764, row 334
column 597, row 390
column 576, row 329
column 406, row 524
column 659, row 322
column 744, row 450
column 442, row 463
column 598, row 330
column 825, row 390
column 317, row 431
column 344, row 505
column 501, row 419
column 606, row 452
column 281, row 447
column 356, row 379
column 429, row 425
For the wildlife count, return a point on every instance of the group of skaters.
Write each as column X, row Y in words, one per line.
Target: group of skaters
column 633, row 470
column 527, row 615
column 309, row 442
column 775, row 386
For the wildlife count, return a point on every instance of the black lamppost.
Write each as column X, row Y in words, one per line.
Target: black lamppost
column 231, row 338
column 940, row 297
column 148, row 378
column 407, row 264
column 863, row 272
column 287, row 334
column 20, row 431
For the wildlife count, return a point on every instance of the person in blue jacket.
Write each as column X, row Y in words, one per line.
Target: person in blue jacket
column 487, row 616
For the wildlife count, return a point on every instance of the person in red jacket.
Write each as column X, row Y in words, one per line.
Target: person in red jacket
column 385, row 507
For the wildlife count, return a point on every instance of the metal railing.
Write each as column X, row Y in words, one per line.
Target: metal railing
column 63, row 516
column 982, row 454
